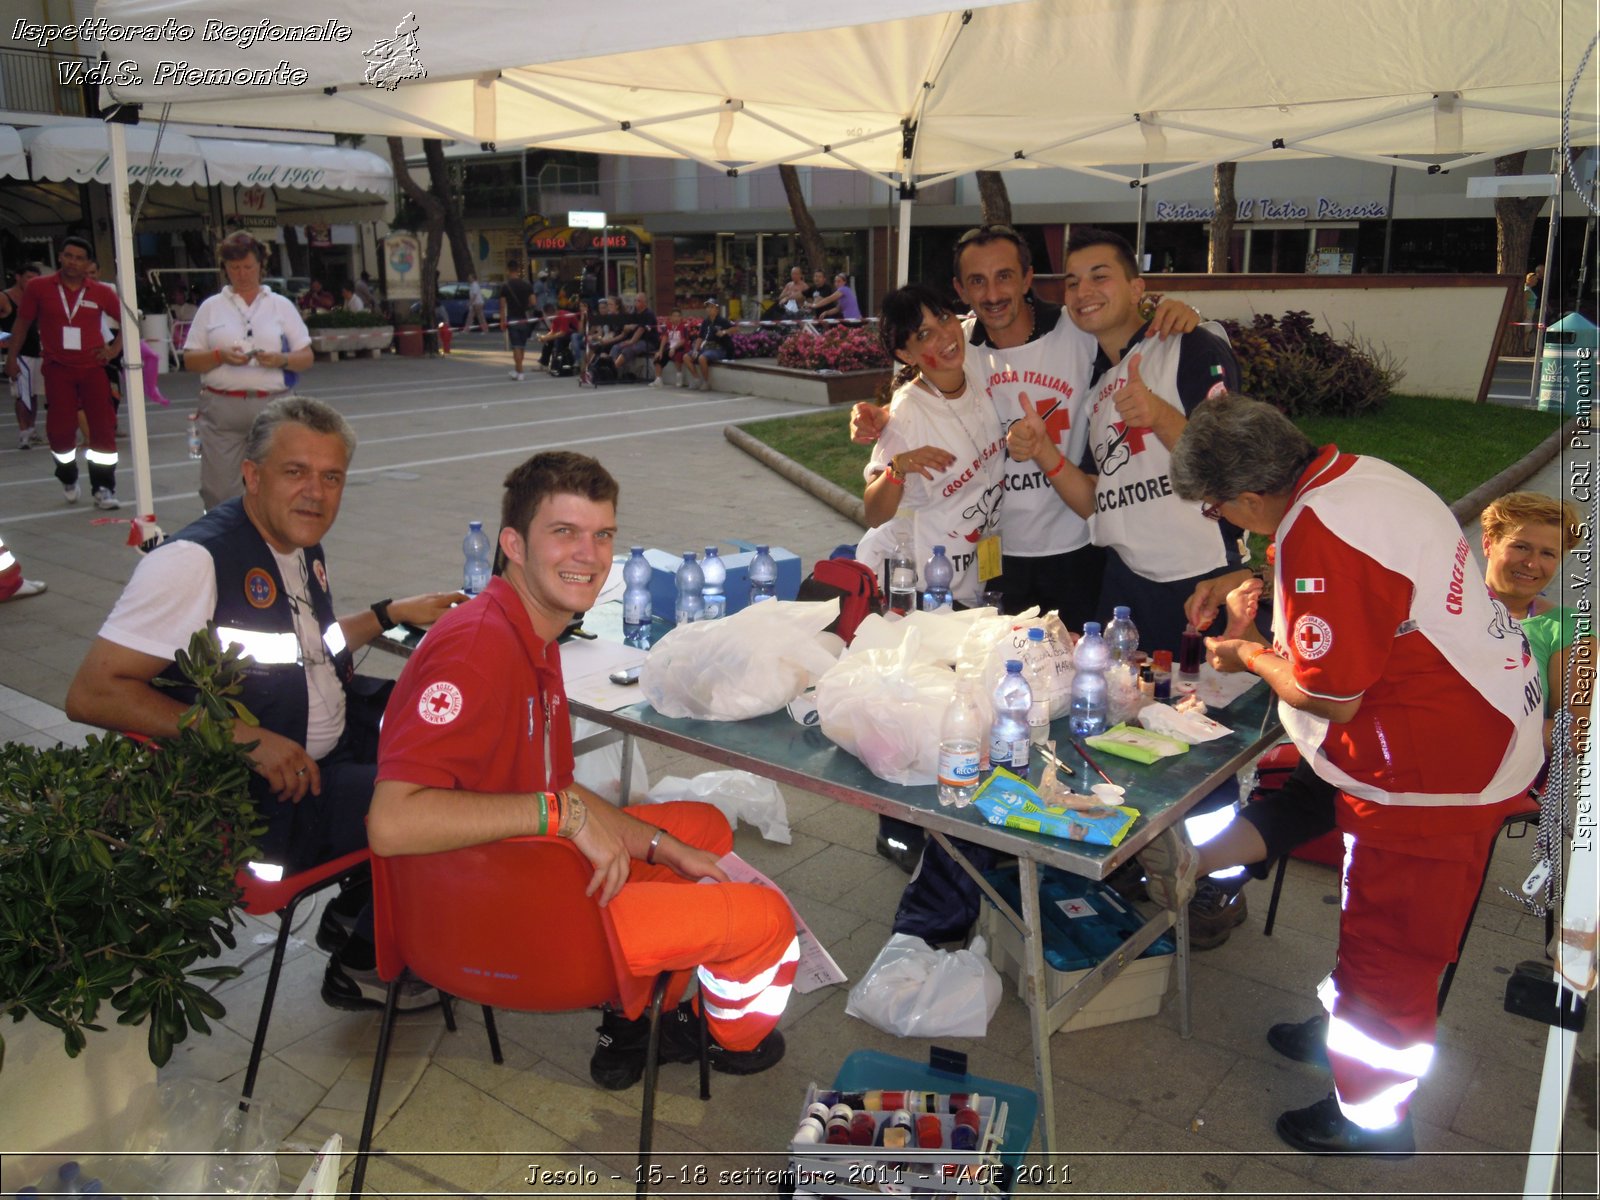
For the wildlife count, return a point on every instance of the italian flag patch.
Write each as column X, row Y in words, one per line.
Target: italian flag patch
column 1309, row 585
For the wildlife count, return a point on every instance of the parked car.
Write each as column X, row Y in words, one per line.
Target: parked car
column 454, row 297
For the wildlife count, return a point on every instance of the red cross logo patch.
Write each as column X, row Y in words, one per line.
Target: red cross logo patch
column 440, row 703
column 1313, row 637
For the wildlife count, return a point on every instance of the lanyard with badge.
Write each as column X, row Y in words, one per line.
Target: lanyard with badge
column 71, row 335
column 988, row 547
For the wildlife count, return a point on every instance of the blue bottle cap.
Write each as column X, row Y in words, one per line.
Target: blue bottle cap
column 1122, row 612
column 762, row 549
column 711, row 551
column 688, row 556
column 1014, row 666
column 1036, row 634
column 638, row 549
column 938, row 549
column 1090, row 627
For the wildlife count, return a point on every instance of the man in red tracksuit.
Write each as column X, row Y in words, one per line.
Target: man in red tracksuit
column 68, row 307
column 1408, row 687
column 477, row 747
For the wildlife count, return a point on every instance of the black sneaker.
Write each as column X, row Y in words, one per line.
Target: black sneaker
column 1323, row 1129
column 1213, row 913
column 1306, row 1041
column 618, row 1059
column 355, row 989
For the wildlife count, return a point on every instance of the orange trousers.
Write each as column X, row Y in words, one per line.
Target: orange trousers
column 739, row 938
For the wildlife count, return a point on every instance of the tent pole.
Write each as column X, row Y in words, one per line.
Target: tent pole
column 1544, row 291
column 132, row 345
column 1138, row 242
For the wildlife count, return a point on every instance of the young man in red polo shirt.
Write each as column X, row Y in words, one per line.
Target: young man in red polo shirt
column 68, row 307
column 477, row 746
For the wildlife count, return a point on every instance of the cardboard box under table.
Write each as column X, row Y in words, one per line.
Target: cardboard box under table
column 1005, row 1110
column 1084, row 923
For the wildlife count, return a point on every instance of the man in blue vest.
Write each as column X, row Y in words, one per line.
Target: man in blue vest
column 254, row 565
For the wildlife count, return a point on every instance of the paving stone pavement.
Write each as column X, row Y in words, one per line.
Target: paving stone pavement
column 1140, row 1110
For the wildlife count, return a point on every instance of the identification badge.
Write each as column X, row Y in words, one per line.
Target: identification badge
column 989, row 558
column 71, row 337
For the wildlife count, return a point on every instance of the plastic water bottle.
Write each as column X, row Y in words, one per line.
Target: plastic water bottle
column 1037, row 671
column 937, row 576
column 194, row 435
column 1008, row 734
column 902, row 579
column 960, row 740
column 1089, row 661
column 763, row 576
column 636, row 603
column 689, row 606
column 478, row 565
column 1122, row 636
column 713, row 591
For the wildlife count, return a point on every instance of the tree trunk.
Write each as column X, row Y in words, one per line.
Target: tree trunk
column 439, row 184
column 993, row 198
column 435, row 209
column 804, row 226
column 1224, row 209
column 1513, row 220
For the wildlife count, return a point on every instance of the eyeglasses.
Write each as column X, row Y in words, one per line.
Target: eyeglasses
column 1212, row 512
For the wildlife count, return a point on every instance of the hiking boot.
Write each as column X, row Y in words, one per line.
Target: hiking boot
column 1306, row 1041
column 618, row 1059
column 1213, row 913
column 358, row 989
column 1323, row 1129
column 1170, row 863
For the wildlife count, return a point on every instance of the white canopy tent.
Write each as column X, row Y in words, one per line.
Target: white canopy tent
column 905, row 90
column 908, row 91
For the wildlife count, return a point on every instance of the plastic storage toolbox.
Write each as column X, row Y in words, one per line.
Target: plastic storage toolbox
column 1005, row 1111
column 1084, row 921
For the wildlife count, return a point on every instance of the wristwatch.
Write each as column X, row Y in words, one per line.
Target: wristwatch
column 381, row 611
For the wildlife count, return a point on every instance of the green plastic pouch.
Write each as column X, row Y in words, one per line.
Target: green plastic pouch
column 1141, row 745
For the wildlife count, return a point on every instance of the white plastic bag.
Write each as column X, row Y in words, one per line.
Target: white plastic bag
column 912, row 990
column 601, row 770
column 738, row 795
column 884, row 706
column 992, row 642
column 746, row 665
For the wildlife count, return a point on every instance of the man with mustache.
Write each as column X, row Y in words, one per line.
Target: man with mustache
column 254, row 565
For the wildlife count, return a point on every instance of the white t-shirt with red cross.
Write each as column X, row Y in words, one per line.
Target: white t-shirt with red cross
column 1053, row 371
column 959, row 505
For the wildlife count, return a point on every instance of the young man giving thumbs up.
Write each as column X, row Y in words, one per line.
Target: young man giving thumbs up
column 1158, row 547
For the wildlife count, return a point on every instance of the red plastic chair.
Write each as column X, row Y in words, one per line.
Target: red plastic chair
column 503, row 925
column 263, row 896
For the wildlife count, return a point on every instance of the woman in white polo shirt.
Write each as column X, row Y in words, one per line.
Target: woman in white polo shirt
column 247, row 342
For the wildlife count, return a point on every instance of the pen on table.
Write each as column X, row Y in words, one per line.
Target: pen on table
column 1093, row 766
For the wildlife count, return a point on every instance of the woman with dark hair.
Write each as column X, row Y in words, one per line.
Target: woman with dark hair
column 935, row 477
column 247, row 342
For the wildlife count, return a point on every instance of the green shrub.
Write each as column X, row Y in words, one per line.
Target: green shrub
column 338, row 318
column 117, row 865
column 1287, row 362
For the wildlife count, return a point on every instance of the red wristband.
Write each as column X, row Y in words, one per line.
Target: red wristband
column 1057, row 469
